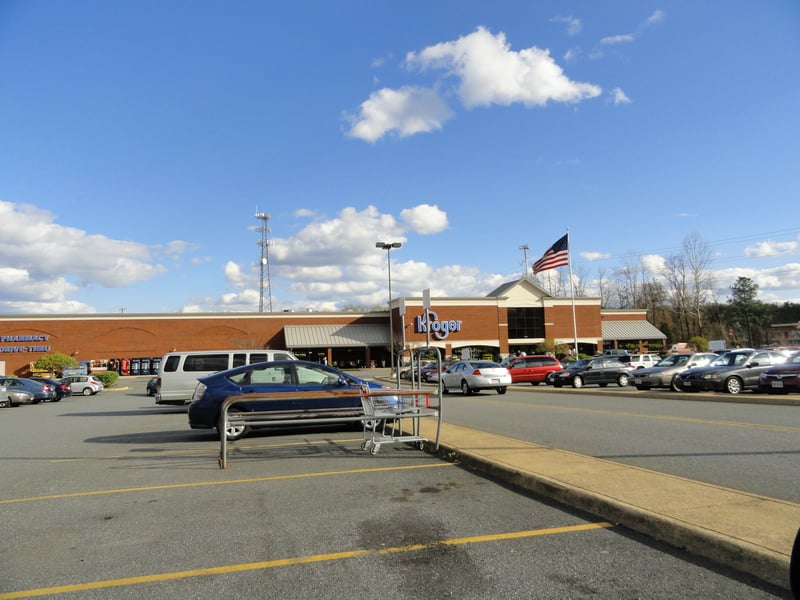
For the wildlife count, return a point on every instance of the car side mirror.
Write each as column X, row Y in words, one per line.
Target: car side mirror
column 753, row 364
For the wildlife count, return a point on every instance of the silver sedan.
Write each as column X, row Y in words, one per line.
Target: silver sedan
column 472, row 375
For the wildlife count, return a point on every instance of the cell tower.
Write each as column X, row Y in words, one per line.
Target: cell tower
column 264, row 243
column 525, row 249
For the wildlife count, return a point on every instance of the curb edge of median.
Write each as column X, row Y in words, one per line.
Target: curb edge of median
column 741, row 556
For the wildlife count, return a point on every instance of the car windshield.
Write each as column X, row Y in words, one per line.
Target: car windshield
column 674, row 360
column 731, row 359
column 485, row 364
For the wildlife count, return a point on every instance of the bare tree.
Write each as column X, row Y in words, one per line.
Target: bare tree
column 603, row 288
column 689, row 285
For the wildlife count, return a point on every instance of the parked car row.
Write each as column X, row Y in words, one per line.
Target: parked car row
column 766, row 371
column 33, row 390
column 733, row 372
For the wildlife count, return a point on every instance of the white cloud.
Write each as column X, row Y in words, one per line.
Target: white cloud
column 591, row 256
column 486, row 72
column 489, row 72
column 773, row 279
column 406, row 111
column 55, row 261
column 770, row 248
column 620, row 97
column 618, row 39
column 425, row 219
column 233, row 274
column 652, row 263
column 574, row 25
column 657, row 16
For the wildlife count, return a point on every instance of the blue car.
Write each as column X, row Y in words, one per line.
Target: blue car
column 276, row 377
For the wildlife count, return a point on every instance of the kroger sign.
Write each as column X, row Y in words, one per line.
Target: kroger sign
column 439, row 329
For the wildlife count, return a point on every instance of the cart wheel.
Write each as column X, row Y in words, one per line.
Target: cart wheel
column 366, row 444
column 220, row 463
column 374, row 449
column 420, row 445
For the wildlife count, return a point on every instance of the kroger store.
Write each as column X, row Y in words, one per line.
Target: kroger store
column 517, row 316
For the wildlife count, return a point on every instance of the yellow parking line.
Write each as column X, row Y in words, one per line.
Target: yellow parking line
column 173, row 486
column 284, row 562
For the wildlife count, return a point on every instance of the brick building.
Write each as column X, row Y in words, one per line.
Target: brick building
column 517, row 316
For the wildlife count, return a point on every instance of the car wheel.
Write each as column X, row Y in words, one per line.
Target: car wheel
column 87, row 391
column 5, row 403
column 369, row 425
column 623, row 380
column 465, row 388
column 36, row 401
column 675, row 384
column 733, row 385
column 577, row 381
column 235, row 432
column 56, row 400
column 501, row 390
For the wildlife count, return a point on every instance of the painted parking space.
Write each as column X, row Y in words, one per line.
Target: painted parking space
column 110, row 498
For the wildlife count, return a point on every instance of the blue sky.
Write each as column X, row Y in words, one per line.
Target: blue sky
column 139, row 138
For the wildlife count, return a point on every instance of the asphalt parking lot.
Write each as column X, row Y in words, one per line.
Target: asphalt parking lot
column 112, row 497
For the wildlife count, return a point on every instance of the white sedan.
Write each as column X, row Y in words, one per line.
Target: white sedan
column 473, row 375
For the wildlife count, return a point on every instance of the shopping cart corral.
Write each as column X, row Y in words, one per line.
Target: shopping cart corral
column 378, row 404
column 393, row 416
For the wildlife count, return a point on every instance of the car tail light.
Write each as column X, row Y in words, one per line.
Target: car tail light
column 476, row 372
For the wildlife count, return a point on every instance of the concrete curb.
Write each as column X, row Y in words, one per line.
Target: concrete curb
column 738, row 554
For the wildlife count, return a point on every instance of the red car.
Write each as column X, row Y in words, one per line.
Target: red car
column 531, row 369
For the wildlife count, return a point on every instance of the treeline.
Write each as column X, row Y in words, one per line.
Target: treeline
column 678, row 293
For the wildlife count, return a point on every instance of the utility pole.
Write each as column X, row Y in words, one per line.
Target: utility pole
column 264, row 263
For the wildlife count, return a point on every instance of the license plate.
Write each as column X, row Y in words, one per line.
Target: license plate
column 777, row 384
column 637, row 380
column 496, row 380
column 686, row 383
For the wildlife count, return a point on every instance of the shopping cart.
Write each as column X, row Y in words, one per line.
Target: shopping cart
column 384, row 411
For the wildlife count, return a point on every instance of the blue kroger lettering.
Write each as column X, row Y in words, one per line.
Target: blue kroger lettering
column 439, row 329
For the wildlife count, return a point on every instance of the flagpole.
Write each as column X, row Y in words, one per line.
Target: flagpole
column 572, row 294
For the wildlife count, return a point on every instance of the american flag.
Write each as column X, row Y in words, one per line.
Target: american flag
column 557, row 255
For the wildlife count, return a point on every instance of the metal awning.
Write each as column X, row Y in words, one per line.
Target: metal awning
column 631, row 330
column 335, row 336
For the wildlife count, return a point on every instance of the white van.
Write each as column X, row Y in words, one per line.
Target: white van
column 178, row 371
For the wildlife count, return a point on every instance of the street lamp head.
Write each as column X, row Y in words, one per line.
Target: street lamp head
column 388, row 245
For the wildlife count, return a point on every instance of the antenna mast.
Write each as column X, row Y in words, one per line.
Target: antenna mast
column 264, row 263
column 525, row 249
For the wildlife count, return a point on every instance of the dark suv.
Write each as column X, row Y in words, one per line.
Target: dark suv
column 732, row 372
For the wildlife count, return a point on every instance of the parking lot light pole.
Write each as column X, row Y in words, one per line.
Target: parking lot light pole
column 388, row 247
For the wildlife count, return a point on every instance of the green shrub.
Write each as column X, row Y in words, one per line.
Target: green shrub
column 108, row 378
column 700, row 343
